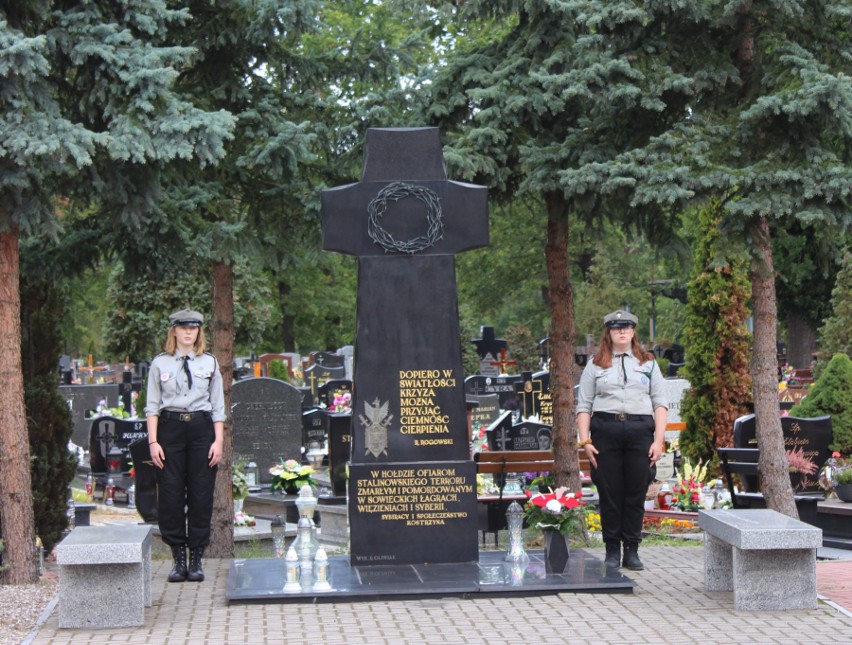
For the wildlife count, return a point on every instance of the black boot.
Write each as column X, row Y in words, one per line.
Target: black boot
column 613, row 554
column 631, row 557
column 196, row 573
column 178, row 572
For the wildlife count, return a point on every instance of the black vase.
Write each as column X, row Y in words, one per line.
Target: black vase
column 556, row 552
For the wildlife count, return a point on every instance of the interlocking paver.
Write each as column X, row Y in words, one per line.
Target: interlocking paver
column 669, row 605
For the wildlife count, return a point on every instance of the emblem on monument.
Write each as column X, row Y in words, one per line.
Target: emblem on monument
column 376, row 427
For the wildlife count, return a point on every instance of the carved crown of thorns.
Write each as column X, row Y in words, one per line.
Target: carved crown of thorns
column 396, row 191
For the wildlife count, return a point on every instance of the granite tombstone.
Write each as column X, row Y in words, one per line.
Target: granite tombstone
column 806, row 442
column 267, row 419
column 412, row 486
column 505, row 387
column 534, row 396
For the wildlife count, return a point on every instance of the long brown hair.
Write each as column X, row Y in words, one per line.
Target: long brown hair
column 603, row 357
column 171, row 342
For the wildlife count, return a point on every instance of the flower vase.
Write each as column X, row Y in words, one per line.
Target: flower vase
column 238, row 505
column 844, row 492
column 555, row 552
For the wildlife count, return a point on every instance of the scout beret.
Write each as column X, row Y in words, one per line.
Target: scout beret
column 186, row 318
column 620, row 319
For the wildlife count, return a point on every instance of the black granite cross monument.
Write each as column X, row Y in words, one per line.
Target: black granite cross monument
column 412, row 486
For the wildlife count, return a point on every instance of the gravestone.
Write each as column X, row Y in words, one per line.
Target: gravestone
column 348, row 354
column 412, row 486
column 535, row 399
column 314, row 428
column 487, row 409
column 267, row 419
column 83, row 399
column 811, row 437
column 674, row 389
column 503, row 386
column 328, row 390
column 108, row 433
column 339, row 448
column 266, row 359
column 489, row 347
column 318, row 374
column 526, row 435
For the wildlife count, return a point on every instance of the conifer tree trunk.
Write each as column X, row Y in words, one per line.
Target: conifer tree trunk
column 16, row 500
column 561, row 296
column 222, row 327
column 774, row 469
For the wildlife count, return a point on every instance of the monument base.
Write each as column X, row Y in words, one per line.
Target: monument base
column 262, row 580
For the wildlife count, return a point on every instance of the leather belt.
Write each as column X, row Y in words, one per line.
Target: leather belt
column 185, row 417
column 622, row 416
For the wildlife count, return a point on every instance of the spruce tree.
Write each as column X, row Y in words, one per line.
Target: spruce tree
column 88, row 115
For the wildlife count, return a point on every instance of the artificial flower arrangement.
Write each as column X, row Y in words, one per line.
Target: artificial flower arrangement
column 799, row 462
column 239, row 482
column 342, row 403
column 485, row 485
column 242, row 519
column 479, row 441
column 559, row 510
column 842, row 470
column 290, row 476
column 686, row 494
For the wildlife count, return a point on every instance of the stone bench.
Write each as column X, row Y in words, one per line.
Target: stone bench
column 766, row 558
column 104, row 576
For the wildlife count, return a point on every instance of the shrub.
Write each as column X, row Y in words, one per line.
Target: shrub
column 831, row 394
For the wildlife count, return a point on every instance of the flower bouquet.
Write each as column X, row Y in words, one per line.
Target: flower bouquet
column 290, row 476
column 342, row 403
column 686, row 494
column 557, row 511
column 241, row 519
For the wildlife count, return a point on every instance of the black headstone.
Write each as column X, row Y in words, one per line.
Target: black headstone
column 412, row 486
column 526, row 435
column 316, row 376
column 314, row 428
column 503, row 386
column 267, row 417
column 82, row 399
column 808, row 436
column 339, row 448
column 535, row 399
column 330, row 389
column 489, row 348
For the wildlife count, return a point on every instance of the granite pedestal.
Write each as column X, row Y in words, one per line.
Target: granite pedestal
column 766, row 558
column 104, row 576
column 263, row 580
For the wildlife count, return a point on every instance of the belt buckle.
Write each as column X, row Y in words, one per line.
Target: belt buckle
column 620, row 416
column 186, row 417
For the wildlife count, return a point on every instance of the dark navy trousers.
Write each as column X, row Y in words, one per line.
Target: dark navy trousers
column 623, row 474
column 186, row 483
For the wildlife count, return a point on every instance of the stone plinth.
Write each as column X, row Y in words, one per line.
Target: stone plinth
column 104, row 576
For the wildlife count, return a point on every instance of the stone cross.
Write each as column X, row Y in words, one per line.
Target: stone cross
column 405, row 221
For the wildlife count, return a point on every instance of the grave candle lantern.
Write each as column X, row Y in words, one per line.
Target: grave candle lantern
column 278, row 536
column 515, row 523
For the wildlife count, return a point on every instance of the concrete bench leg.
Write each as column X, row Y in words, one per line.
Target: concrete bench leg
column 718, row 565
column 774, row 580
column 104, row 595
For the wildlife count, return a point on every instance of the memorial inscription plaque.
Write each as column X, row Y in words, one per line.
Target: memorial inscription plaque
column 412, row 485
